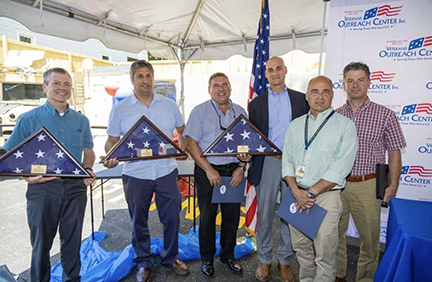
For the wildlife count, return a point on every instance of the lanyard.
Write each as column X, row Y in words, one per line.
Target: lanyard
column 308, row 143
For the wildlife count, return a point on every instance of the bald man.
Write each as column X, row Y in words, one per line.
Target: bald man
column 271, row 113
column 316, row 170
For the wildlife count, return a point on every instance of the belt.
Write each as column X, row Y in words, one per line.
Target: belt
column 361, row 178
column 276, row 156
column 230, row 165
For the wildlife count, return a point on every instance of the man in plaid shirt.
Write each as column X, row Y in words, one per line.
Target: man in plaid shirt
column 378, row 131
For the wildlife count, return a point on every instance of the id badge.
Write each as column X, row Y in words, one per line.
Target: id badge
column 300, row 170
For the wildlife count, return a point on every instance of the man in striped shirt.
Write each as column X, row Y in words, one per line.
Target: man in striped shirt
column 378, row 131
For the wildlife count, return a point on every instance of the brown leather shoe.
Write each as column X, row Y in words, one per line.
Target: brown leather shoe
column 340, row 279
column 286, row 273
column 179, row 268
column 143, row 274
column 263, row 272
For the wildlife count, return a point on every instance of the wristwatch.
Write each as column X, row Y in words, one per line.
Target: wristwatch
column 242, row 167
column 311, row 193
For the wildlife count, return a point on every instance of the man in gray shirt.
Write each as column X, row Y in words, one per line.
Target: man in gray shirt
column 208, row 121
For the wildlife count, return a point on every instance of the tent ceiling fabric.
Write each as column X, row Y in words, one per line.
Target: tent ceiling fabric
column 222, row 27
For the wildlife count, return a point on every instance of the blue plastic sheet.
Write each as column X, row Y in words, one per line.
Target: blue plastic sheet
column 99, row 265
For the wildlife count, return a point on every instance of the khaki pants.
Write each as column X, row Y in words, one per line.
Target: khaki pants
column 317, row 258
column 359, row 200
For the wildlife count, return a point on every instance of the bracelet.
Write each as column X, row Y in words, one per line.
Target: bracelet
column 87, row 167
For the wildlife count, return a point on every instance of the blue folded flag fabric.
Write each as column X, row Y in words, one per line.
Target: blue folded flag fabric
column 40, row 154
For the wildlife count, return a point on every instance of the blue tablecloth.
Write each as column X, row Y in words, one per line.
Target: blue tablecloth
column 408, row 255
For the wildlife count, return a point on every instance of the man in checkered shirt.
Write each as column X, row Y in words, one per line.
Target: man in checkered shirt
column 378, row 131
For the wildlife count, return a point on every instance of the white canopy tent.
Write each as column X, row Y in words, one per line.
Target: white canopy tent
column 177, row 29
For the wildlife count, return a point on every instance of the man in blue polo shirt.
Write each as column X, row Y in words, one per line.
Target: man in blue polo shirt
column 143, row 178
column 54, row 202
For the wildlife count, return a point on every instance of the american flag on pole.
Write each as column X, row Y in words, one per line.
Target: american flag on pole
column 40, row 154
column 144, row 141
column 258, row 85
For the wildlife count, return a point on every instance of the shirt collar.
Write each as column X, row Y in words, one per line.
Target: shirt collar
column 322, row 115
column 52, row 110
column 156, row 98
column 285, row 91
column 365, row 104
column 215, row 105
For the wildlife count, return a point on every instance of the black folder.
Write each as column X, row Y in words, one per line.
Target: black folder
column 382, row 180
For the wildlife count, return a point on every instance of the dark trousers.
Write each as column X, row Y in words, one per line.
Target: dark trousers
column 51, row 205
column 139, row 193
column 208, row 212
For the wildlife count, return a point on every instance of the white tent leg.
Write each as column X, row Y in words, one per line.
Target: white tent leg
column 322, row 37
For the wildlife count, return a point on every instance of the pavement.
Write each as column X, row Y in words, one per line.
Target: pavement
column 15, row 249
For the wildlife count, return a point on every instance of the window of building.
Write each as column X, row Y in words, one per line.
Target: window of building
column 25, row 38
column 105, row 57
column 152, row 58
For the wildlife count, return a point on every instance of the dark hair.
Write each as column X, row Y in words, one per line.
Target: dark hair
column 217, row 74
column 354, row 66
column 48, row 74
column 140, row 64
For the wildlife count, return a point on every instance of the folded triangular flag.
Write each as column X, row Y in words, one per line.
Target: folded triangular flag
column 40, row 154
column 241, row 137
column 144, row 141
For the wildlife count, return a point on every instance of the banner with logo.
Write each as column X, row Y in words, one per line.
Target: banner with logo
column 395, row 39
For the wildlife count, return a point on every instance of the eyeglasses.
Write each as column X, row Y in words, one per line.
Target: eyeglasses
column 219, row 116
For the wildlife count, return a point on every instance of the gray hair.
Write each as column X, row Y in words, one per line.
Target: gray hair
column 354, row 66
column 140, row 64
column 48, row 74
column 217, row 74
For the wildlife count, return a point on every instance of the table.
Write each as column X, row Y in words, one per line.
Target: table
column 408, row 255
column 185, row 169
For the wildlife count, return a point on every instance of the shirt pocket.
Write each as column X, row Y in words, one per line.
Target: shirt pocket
column 167, row 121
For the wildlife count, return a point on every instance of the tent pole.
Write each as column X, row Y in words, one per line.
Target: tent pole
column 322, row 37
column 182, row 66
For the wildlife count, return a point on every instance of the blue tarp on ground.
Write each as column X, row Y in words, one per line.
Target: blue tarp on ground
column 100, row 265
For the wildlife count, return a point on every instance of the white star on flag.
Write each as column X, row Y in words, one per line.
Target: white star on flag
column 261, row 149
column 162, row 144
column 146, row 130
column 17, row 170
column 259, row 136
column 146, row 144
column 41, row 137
column 229, row 137
column 229, row 150
column 60, row 154
column 76, row 171
column 130, row 145
column 40, row 154
column 58, row 171
column 18, row 154
column 245, row 134
column 244, row 121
